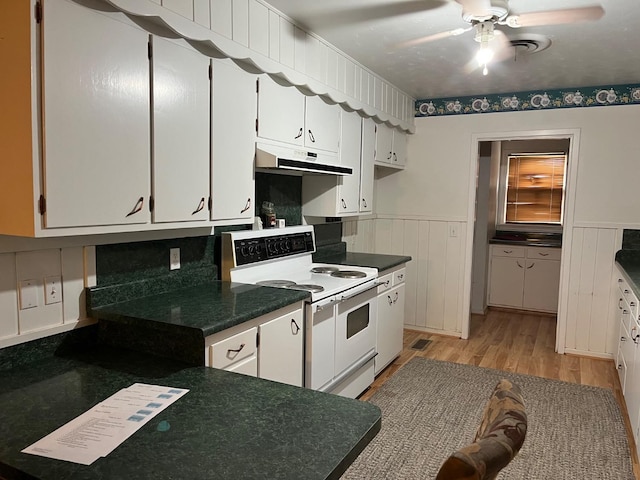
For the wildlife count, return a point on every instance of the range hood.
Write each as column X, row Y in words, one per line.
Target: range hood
column 298, row 159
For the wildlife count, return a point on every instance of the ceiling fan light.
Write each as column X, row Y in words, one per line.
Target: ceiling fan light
column 484, row 55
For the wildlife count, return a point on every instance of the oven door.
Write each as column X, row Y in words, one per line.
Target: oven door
column 355, row 334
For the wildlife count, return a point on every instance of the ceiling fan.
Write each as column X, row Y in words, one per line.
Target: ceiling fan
column 484, row 15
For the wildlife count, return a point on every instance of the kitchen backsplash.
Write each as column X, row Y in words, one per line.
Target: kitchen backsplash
column 284, row 191
column 631, row 240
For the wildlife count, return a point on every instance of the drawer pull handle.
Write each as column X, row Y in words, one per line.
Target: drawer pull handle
column 632, row 304
column 236, row 350
column 294, row 325
column 626, row 291
column 507, row 251
column 396, row 299
column 518, row 263
column 620, row 304
column 364, row 203
column 619, row 280
column 344, row 204
column 530, row 266
column 623, row 339
column 543, row 254
column 299, row 134
column 625, row 312
column 389, row 299
column 401, row 276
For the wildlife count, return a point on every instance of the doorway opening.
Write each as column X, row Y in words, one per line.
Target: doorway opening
column 516, row 262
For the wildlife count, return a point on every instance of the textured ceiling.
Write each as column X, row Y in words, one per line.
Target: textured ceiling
column 604, row 52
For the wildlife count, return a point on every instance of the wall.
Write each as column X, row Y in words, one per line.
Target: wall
column 433, row 191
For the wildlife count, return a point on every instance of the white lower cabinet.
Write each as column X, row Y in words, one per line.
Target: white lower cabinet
column 391, row 295
column 281, row 349
column 270, row 347
column 527, row 278
column 628, row 358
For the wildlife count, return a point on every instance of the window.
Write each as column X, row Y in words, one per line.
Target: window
column 535, row 188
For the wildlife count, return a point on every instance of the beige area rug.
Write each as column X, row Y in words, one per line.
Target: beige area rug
column 431, row 408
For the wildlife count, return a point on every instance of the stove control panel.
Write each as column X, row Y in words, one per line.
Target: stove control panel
column 252, row 250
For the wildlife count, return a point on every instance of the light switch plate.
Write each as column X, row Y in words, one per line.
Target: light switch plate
column 28, row 294
column 174, row 258
column 52, row 290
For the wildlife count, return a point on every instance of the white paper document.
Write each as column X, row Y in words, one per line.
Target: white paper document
column 98, row 431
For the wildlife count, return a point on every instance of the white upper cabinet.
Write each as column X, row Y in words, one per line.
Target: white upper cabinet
column 322, row 124
column 391, row 146
column 367, row 155
column 96, row 118
column 330, row 196
column 233, row 146
column 181, row 91
column 286, row 115
column 280, row 112
column 349, row 185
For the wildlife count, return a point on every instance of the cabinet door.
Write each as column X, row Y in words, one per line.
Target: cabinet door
column 384, row 144
column 390, row 325
column 506, row 281
column 280, row 112
column 349, row 188
column 96, row 118
column 322, row 124
column 366, row 165
column 280, row 352
column 180, row 96
column 399, row 158
column 541, row 285
column 233, row 142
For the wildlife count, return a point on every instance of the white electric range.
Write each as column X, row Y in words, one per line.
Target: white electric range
column 340, row 315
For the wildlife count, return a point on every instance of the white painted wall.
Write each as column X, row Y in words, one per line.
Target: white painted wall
column 434, row 187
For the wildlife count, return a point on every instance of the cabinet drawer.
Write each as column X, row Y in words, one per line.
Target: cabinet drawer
column 248, row 366
column 544, row 253
column 233, row 349
column 385, row 282
column 399, row 276
column 507, row 251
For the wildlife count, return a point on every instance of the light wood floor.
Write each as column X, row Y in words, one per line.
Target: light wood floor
column 513, row 341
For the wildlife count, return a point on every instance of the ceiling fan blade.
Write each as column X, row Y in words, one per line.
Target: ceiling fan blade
column 349, row 15
column 555, row 17
column 431, row 38
column 477, row 8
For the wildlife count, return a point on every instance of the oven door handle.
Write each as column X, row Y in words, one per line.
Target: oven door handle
column 328, row 304
column 375, row 285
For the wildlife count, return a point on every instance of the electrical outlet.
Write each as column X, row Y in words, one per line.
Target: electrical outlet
column 52, row 290
column 174, row 258
column 453, row 230
column 28, row 294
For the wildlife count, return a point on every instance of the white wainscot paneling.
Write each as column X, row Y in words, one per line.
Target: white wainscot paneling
column 434, row 275
column 241, row 22
column 8, row 296
column 259, row 28
column 201, row 13
column 274, row 36
column 287, row 42
column 221, row 17
column 300, row 49
column 591, row 326
column 181, row 7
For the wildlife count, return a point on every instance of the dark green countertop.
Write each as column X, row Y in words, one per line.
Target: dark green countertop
column 174, row 324
column 228, row 425
column 207, row 308
column 374, row 260
column 629, row 260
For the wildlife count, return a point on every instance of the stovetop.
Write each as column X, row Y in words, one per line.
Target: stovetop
column 276, row 275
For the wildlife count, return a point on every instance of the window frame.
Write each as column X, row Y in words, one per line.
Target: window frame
column 501, row 210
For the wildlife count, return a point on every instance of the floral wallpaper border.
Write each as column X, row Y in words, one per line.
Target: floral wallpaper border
column 531, row 100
